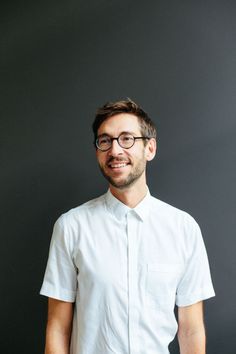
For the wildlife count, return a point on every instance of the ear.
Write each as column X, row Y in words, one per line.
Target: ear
column 150, row 149
column 96, row 151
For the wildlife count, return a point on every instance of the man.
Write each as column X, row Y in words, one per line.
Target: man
column 119, row 263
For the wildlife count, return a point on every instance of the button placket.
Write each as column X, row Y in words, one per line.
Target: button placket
column 132, row 235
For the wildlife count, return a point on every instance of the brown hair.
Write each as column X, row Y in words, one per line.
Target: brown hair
column 110, row 109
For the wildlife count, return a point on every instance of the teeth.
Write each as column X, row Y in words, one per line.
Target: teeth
column 118, row 165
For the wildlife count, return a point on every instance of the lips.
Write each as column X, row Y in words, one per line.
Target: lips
column 118, row 164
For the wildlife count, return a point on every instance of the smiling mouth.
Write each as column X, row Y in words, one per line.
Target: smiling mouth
column 118, row 165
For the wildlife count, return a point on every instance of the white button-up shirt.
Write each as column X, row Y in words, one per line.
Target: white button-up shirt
column 125, row 269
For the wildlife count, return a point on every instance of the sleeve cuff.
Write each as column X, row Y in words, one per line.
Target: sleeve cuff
column 183, row 300
column 58, row 293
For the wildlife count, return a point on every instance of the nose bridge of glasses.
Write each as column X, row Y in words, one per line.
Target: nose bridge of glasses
column 115, row 144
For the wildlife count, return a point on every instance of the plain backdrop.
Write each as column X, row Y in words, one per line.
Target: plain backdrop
column 60, row 60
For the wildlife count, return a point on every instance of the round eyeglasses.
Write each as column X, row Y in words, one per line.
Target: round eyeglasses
column 126, row 141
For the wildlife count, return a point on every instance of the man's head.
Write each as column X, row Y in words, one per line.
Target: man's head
column 110, row 109
column 125, row 139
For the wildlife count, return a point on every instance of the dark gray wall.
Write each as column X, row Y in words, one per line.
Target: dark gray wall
column 62, row 59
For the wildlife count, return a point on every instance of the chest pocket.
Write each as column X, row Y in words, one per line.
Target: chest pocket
column 161, row 284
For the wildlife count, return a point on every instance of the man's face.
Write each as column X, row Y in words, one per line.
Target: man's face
column 122, row 167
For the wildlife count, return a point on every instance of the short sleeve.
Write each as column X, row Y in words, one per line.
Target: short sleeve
column 195, row 284
column 60, row 279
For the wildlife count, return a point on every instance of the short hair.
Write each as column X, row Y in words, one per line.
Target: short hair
column 147, row 127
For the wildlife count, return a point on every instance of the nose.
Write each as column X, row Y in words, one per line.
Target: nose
column 115, row 148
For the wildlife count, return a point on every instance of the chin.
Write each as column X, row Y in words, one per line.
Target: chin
column 121, row 184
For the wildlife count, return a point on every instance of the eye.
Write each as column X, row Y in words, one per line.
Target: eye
column 126, row 138
column 103, row 140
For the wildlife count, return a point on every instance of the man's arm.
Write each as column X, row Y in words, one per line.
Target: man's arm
column 59, row 326
column 191, row 332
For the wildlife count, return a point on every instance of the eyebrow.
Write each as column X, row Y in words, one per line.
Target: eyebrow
column 124, row 132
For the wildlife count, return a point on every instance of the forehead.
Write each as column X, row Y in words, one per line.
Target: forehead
column 122, row 122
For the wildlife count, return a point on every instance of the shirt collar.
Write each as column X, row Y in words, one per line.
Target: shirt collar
column 143, row 208
column 120, row 210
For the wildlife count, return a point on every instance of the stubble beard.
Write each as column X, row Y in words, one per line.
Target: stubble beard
column 132, row 177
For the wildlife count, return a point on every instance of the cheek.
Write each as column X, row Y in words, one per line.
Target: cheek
column 139, row 155
column 101, row 158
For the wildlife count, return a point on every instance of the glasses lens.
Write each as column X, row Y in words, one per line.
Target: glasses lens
column 126, row 140
column 104, row 142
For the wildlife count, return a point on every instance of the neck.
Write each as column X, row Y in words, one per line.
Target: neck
column 132, row 195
